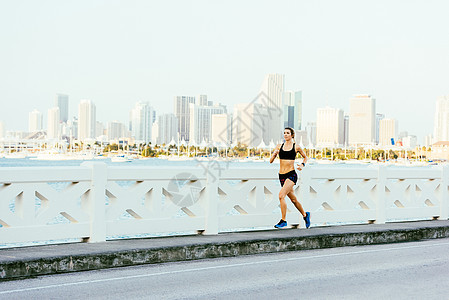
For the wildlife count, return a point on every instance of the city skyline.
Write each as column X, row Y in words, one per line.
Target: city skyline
column 328, row 50
column 141, row 125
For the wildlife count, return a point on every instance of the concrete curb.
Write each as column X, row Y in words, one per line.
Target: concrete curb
column 22, row 268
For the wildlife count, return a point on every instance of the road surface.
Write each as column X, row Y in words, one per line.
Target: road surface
column 402, row 271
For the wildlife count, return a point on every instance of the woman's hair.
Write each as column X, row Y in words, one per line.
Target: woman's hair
column 292, row 131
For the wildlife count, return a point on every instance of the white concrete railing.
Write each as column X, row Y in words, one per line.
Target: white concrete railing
column 95, row 202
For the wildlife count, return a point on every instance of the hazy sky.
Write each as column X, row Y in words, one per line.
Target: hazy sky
column 119, row 52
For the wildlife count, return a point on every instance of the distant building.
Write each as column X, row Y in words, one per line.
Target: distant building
column 167, row 129
column 362, row 120
column 249, row 124
column 440, row 150
column 155, row 133
column 73, row 128
column 441, row 121
column 87, row 120
column 99, row 129
column 293, row 109
column 378, row 118
column 201, row 121
column 402, row 135
column 116, row 130
column 410, row 141
column 142, row 122
column 202, row 100
column 311, row 133
column 301, row 138
column 35, row 120
column 62, row 101
column 271, row 97
column 181, row 106
column 221, row 128
column 154, row 116
column 388, row 130
column 53, row 126
column 346, row 131
column 428, row 140
column 330, row 127
column 2, row 130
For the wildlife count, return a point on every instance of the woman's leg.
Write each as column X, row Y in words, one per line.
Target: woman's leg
column 287, row 188
column 295, row 202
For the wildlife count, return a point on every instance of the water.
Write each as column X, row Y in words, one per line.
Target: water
column 151, row 162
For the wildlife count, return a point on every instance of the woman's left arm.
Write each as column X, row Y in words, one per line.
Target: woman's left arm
column 304, row 156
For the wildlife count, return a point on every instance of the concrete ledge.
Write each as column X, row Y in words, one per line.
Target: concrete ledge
column 52, row 259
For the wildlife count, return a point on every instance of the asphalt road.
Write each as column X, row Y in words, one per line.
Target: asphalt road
column 401, row 271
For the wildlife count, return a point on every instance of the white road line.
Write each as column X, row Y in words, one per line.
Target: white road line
column 218, row 267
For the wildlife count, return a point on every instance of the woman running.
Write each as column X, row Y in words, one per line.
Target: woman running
column 288, row 176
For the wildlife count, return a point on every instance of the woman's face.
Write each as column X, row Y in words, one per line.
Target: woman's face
column 287, row 135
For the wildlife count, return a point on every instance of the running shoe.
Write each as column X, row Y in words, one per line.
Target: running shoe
column 307, row 219
column 281, row 224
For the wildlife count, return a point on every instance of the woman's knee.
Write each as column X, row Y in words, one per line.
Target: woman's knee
column 281, row 195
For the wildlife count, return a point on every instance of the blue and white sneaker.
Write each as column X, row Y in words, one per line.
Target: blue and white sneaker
column 307, row 219
column 281, row 224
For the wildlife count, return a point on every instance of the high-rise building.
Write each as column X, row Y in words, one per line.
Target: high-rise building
column 330, row 127
column 249, row 124
column 428, row 140
column 182, row 112
column 2, row 130
column 73, row 128
column 62, row 101
column 155, row 133
column 35, row 120
column 142, row 122
column 388, row 130
column 167, row 128
column 202, row 100
column 301, row 137
column 441, row 121
column 53, row 123
column 346, row 131
column 293, row 109
column 154, row 117
column 99, row 129
column 87, row 120
column 201, row 121
column 378, row 118
column 271, row 96
column 116, row 130
column 311, row 133
column 362, row 120
column 222, row 128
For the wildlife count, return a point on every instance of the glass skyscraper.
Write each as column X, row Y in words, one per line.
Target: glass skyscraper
column 62, row 101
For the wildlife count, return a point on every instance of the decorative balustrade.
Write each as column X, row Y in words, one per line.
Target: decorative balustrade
column 95, row 202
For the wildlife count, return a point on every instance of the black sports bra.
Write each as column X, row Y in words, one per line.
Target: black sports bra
column 290, row 155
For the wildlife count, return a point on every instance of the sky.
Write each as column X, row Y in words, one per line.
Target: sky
column 116, row 53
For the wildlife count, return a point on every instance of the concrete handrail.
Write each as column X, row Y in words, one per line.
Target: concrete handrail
column 95, row 202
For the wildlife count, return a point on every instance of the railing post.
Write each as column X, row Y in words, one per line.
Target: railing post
column 444, row 208
column 380, row 201
column 96, row 201
column 211, row 204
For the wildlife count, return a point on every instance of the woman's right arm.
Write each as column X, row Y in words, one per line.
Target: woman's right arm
column 275, row 153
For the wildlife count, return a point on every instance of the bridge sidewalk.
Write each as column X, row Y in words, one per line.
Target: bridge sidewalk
column 52, row 259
